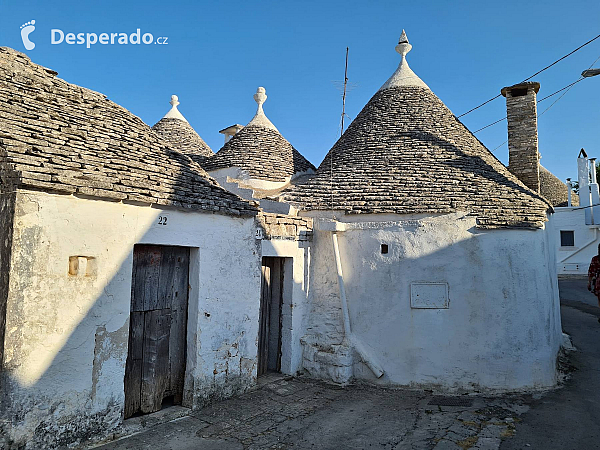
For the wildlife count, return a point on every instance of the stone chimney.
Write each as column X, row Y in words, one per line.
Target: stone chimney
column 521, row 112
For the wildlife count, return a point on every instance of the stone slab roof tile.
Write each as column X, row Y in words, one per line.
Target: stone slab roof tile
column 406, row 153
column 261, row 152
column 183, row 137
column 59, row 137
column 554, row 190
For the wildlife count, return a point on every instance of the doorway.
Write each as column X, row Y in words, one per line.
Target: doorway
column 155, row 368
column 270, row 321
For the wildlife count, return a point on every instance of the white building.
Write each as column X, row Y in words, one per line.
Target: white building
column 130, row 276
column 117, row 260
column 256, row 161
column 576, row 225
column 432, row 264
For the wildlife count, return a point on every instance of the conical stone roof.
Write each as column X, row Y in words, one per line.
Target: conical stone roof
column 175, row 129
column 554, row 190
column 406, row 153
column 260, row 150
column 59, row 137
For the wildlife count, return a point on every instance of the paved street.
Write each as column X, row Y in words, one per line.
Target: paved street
column 569, row 418
column 301, row 413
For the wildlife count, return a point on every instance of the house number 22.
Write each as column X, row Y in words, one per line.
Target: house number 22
column 162, row 220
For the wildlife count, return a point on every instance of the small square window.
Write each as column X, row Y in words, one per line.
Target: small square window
column 567, row 238
column 384, row 249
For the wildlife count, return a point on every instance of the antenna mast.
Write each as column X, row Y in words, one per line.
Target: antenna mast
column 344, row 94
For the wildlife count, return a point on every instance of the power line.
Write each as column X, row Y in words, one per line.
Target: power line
column 487, row 126
column 537, row 73
column 499, row 146
column 568, row 88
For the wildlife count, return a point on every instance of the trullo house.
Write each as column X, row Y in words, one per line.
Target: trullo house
column 432, row 264
column 137, row 268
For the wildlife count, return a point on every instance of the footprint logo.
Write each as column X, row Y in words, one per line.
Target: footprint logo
column 26, row 30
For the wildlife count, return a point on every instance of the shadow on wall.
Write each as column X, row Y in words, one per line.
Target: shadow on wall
column 75, row 329
column 501, row 329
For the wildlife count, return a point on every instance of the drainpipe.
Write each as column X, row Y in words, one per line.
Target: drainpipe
column 348, row 336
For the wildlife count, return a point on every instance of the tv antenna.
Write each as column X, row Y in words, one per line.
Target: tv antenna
column 345, row 87
column 344, row 94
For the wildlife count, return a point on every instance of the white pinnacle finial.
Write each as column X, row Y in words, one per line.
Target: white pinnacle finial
column 403, row 76
column 174, row 112
column 261, row 96
column 259, row 119
column 403, row 46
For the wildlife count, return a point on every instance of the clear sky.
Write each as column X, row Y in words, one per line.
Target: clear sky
column 218, row 53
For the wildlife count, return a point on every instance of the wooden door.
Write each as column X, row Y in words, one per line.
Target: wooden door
column 155, row 365
column 269, row 334
column 264, row 319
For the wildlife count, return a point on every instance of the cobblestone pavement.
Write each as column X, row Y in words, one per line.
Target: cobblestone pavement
column 300, row 413
column 297, row 413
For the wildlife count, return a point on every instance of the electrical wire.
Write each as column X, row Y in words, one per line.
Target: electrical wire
column 537, row 73
column 499, row 146
column 487, row 126
column 568, row 88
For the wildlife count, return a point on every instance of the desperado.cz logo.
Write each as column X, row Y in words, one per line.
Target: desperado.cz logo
column 89, row 39
column 26, row 29
column 58, row 36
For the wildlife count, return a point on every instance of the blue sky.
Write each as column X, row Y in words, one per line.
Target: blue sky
column 218, row 53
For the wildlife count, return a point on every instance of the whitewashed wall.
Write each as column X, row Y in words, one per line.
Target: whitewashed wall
column 501, row 331
column 66, row 336
column 574, row 260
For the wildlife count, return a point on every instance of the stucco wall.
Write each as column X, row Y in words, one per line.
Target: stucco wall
column 66, row 340
column 574, row 260
column 502, row 328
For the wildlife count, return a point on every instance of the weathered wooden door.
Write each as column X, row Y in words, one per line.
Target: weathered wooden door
column 269, row 334
column 155, row 365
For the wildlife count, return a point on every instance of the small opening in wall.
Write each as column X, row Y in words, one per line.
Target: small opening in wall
column 567, row 238
column 518, row 92
column 384, row 249
column 82, row 266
